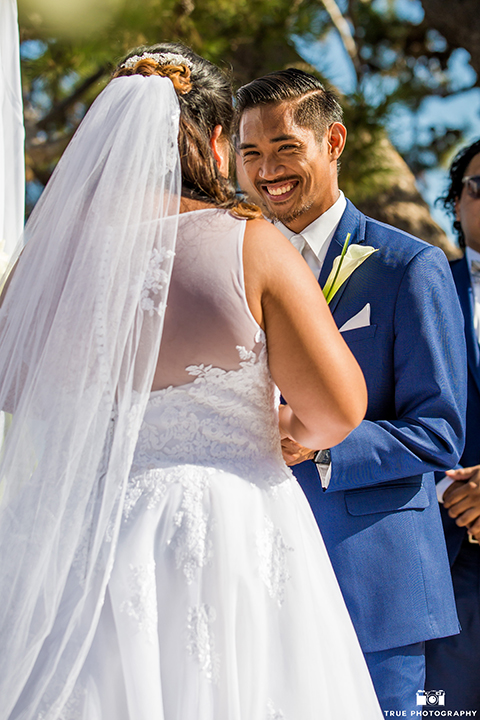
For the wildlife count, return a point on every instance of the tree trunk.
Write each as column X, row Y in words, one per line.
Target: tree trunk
column 396, row 201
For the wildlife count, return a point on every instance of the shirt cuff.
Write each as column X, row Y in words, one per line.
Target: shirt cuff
column 441, row 486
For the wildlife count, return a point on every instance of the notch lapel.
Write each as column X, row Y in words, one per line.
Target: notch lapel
column 352, row 221
column 461, row 276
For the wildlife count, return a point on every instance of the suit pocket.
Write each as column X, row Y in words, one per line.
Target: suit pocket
column 361, row 333
column 386, row 499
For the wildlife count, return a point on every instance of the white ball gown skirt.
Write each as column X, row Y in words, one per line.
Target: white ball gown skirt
column 222, row 603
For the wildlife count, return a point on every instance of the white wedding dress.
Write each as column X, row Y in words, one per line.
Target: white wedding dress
column 222, row 604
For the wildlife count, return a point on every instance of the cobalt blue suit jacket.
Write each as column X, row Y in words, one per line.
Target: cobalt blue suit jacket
column 379, row 516
column 471, row 454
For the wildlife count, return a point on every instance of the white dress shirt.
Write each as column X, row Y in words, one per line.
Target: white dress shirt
column 313, row 243
column 472, row 256
column 314, row 240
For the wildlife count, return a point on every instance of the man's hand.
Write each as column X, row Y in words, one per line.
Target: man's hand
column 462, row 499
column 293, row 453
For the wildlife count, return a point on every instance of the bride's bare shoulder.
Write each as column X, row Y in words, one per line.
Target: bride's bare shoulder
column 262, row 238
column 265, row 248
column 259, row 228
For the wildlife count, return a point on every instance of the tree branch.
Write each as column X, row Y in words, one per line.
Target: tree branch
column 344, row 31
column 57, row 112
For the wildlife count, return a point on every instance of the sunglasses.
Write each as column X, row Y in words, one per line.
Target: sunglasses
column 472, row 183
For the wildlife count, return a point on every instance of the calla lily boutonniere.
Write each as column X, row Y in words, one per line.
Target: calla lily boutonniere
column 343, row 266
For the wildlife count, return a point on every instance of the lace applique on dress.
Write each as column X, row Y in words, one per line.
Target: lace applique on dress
column 75, row 705
column 151, row 484
column 156, row 279
column 201, row 642
column 273, row 714
column 142, row 602
column 224, row 418
column 191, row 543
column 273, row 555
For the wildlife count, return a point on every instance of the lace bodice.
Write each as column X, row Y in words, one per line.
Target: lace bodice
column 224, row 418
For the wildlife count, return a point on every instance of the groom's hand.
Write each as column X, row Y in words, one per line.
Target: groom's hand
column 293, row 453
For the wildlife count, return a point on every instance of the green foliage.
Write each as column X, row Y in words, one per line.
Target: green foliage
column 400, row 61
column 64, row 68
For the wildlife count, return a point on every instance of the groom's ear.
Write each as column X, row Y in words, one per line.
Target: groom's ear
column 336, row 138
column 220, row 149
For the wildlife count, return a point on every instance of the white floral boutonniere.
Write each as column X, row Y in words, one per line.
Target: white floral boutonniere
column 343, row 266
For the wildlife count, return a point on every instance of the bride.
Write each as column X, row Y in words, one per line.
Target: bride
column 159, row 560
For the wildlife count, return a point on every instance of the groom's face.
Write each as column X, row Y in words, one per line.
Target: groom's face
column 284, row 167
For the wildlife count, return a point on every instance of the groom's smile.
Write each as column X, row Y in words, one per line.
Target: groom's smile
column 283, row 166
column 281, row 190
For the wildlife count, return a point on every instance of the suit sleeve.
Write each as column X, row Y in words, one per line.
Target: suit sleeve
column 430, row 390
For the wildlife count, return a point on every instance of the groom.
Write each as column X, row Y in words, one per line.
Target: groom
column 374, row 494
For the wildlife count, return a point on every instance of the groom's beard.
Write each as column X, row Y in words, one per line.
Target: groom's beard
column 294, row 214
column 287, row 216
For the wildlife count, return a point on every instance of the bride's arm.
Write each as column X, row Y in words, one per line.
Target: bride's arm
column 308, row 358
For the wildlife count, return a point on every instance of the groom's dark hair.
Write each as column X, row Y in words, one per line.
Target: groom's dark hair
column 314, row 106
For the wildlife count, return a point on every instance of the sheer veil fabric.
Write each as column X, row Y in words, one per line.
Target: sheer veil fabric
column 80, row 329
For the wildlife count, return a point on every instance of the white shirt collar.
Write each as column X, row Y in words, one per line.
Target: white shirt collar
column 320, row 232
column 471, row 255
column 474, row 255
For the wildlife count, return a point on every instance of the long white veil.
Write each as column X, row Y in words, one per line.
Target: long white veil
column 80, row 330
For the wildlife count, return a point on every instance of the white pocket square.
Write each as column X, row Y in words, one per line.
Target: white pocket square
column 361, row 319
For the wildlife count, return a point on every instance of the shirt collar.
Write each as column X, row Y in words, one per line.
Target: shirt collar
column 471, row 255
column 320, row 232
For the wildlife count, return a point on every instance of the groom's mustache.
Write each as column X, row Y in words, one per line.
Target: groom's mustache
column 287, row 178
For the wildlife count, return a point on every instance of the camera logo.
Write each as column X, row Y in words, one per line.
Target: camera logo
column 430, row 697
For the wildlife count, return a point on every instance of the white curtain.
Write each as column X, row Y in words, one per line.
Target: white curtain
column 12, row 134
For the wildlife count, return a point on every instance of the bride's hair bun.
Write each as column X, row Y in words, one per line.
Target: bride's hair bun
column 152, row 64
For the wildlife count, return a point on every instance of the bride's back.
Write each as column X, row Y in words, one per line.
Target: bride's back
column 207, row 317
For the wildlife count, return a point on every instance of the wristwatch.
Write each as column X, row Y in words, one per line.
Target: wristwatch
column 323, row 458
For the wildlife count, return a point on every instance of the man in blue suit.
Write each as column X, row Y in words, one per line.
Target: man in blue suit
column 374, row 494
column 454, row 663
